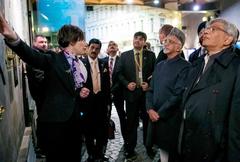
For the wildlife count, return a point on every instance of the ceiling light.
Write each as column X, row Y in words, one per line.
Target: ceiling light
column 196, row 8
column 45, row 29
column 129, row 1
column 156, row 2
column 204, row 18
column 44, row 16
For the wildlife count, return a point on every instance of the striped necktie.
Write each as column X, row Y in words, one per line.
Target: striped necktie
column 111, row 69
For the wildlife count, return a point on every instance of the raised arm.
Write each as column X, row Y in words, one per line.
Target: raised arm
column 6, row 30
column 26, row 53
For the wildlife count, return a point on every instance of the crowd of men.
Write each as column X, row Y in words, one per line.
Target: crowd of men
column 189, row 110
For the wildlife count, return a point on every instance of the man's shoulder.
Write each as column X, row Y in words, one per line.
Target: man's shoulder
column 103, row 60
column 194, row 55
column 84, row 59
column 149, row 52
column 127, row 52
column 183, row 61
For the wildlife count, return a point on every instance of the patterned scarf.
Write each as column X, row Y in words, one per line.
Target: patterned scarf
column 77, row 68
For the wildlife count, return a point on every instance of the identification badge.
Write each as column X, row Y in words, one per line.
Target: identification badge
column 140, row 74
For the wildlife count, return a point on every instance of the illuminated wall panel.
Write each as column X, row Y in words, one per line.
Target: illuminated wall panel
column 52, row 14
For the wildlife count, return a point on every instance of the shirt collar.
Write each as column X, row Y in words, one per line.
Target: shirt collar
column 91, row 60
column 114, row 57
column 140, row 52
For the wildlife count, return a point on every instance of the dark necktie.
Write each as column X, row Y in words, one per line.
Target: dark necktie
column 205, row 66
column 206, row 63
column 138, row 59
column 111, row 69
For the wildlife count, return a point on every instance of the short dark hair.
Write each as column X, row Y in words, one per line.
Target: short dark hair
column 110, row 42
column 69, row 34
column 95, row 41
column 38, row 35
column 201, row 26
column 141, row 34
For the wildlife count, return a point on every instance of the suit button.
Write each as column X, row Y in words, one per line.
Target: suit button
column 205, row 157
column 187, row 148
column 208, row 134
column 188, row 133
column 210, row 112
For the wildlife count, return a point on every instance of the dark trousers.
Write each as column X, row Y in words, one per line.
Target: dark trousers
column 133, row 111
column 118, row 101
column 96, row 127
column 61, row 142
column 173, row 157
column 145, row 119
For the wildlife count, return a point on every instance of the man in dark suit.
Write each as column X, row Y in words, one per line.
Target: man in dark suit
column 59, row 121
column 135, row 69
column 211, row 100
column 97, row 103
column 36, row 76
column 201, row 50
column 116, row 86
column 36, row 85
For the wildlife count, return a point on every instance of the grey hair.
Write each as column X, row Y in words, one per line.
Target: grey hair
column 178, row 34
column 229, row 28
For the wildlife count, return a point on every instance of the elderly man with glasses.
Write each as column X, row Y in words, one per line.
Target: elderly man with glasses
column 166, row 83
column 210, row 129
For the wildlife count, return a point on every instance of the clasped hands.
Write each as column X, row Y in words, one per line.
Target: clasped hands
column 84, row 92
column 132, row 86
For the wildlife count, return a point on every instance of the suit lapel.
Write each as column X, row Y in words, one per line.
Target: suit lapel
column 102, row 69
column 212, row 76
column 64, row 72
column 144, row 60
column 132, row 62
column 115, row 67
column 213, row 73
column 209, row 78
column 88, row 67
column 193, row 76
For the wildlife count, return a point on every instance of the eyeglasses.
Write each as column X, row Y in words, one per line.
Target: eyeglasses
column 214, row 29
column 169, row 41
